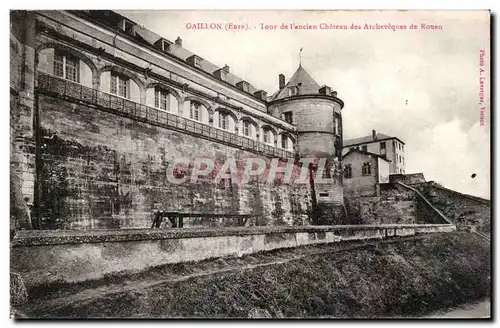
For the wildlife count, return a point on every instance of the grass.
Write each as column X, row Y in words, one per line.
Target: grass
column 409, row 278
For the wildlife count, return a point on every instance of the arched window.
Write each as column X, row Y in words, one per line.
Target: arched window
column 268, row 135
column 287, row 142
column 248, row 127
column 225, row 119
column 65, row 64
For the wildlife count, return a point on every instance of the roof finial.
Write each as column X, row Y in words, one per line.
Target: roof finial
column 300, row 57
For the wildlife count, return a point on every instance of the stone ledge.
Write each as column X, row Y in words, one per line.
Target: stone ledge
column 57, row 237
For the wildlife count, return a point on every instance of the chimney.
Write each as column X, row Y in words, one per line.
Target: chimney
column 374, row 134
column 282, row 81
column 225, row 68
column 178, row 41
column 334, row 93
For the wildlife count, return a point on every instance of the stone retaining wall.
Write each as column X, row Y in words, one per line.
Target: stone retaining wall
column 46, row 257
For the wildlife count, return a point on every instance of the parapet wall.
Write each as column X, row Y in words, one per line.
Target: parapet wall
column 48, row 256
column 461, row 209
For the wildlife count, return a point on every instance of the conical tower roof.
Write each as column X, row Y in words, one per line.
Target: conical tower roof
column 301, row 79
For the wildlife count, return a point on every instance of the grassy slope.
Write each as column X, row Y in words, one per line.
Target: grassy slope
column 399, row 279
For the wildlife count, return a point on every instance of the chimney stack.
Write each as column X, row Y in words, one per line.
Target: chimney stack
column 374, row 134
column 178, row 41
column 225, row 68
column 281, row 81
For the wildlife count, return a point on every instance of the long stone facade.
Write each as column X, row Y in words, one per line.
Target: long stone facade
column 101, row 109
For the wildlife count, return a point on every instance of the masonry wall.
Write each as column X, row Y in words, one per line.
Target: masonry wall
column 395, row 205
column 58, row 257
column 461, row 209
column 100, row 170
column 408, row 179
column 360, row 185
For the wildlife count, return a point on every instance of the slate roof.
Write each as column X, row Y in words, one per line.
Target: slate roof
column 304, row 81
column 149, row 38
column 365, row 152
column 368, row 139
column 183, row 53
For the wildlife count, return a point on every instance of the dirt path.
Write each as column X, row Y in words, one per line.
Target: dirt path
column 63, row 297
column 474, row 310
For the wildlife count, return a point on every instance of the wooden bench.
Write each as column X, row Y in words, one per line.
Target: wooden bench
column 177, row 218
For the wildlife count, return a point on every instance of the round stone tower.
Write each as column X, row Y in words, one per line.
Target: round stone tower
column 316, row 112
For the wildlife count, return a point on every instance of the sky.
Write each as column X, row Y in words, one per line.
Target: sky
column 420, row 85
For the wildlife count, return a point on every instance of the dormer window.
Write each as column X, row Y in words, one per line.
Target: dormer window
column 165, row 45
column 243, row 85
column 195, row 61
column 127, row 26
column 293, row 91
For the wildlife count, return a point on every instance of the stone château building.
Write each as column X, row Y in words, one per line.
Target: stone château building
column 390, row 148
column 101, row 106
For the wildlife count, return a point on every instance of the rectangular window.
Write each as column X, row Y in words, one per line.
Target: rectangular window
column 348, row 171
column 58, row 65
column 323, row 194
column 336, row 128
column 246, row 128
column 223, row 121
column 128, row 26
column 288, row 117
column 364, row 148
column 284, row 142
column 197, row 61
column 194, row 111
column 120, row 85
column 266, row 136
column 162, row 99
column 367, row 168
column 66, row 66
column 383, row 150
